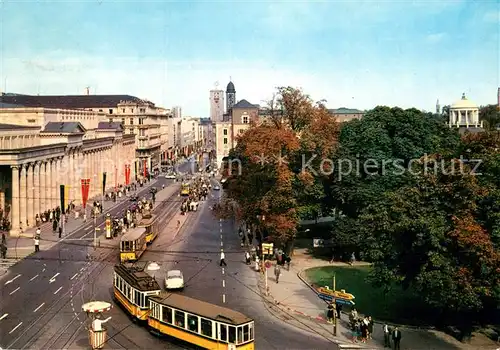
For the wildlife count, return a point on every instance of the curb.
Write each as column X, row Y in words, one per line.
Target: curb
column 319, row 319
column 380, row 322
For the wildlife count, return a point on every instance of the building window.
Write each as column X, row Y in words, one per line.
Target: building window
column 110, row 120
column 131, row 110
column 123, row 121
column 143, row 110
column 100, row 110
column 245, row 120
column 131, row 121
column 123, row 110
column 225, row 140
column 241, row 131
column 225, row 131
column 141, row 121
column 142, row 132
column 111, row 111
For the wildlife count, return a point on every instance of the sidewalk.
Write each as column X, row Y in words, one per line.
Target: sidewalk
column 295, row 298
column 23, row 246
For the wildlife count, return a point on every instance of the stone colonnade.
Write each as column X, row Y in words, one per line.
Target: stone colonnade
column 36, row 184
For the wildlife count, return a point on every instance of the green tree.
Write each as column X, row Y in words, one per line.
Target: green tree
column 490, row 114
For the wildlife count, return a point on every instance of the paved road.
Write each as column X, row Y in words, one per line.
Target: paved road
column 39, row 295
column 196, row 252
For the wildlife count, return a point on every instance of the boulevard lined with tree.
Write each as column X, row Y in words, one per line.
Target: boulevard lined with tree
column 421, row 202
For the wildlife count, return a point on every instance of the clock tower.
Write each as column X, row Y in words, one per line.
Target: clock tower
column 230, row 96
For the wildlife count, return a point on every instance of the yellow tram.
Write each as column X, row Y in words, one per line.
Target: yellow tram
column 193, row 321
column 150, row 223
column 132, row 288
column 197, row 322
column 185, row 189
column 133, row 244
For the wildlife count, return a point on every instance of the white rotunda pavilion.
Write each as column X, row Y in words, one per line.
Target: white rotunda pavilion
column 464, row 113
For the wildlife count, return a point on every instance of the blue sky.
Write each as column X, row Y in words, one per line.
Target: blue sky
column 353, row 54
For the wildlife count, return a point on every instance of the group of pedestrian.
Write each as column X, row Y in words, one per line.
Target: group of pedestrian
column 362, row 331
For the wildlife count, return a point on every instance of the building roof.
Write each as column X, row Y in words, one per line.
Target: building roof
column 245, row 104
column 16, row 127
column 464, row 103
column 68, row 101
column 110, row 126
column 344, row 110
column 63, row 128
column 230, row 87
column 8, row 105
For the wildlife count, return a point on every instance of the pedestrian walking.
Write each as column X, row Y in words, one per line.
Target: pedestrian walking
column 37, row 243
column 387, row 336
column 329, row 313
column 222, row 258
column 277, row 272
column 396, row 338
column 3, row 250
column 4, row 240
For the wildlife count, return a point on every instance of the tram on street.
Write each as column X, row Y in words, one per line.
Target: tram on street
column 151, row 224
column 132, row 288
column 185, row 189
column 200, row 323
column 193, row 321
column 133, row 244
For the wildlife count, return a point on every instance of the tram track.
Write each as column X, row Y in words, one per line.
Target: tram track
column 66, row 336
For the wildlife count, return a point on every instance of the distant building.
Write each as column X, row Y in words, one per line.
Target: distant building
column 343, row 114
column 464, row 114
column 217, row 105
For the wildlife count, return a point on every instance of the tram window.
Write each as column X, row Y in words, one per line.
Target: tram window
column 206, row 327
column 180, row 320
column 246, row 335
column 137, row 298
column 223, row 332
column 192, row 323
column 167, row 314
column 251, row 330
column 239, row 335
column 232, row 334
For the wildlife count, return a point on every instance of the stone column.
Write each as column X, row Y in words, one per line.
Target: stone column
column 14, row 219
column 31, row 196
column 48, row 185
column 93, row 175
column 60, row 179
column 71, row 177
column 36, row 190
column 55, row 183
column 42, row 187
column 23, row 209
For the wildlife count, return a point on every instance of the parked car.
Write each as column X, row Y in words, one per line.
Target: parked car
column 217, row 188
column 174, row 280
column 170, row 176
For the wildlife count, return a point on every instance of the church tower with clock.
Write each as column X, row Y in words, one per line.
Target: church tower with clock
column 216, row 104
column 230, row 97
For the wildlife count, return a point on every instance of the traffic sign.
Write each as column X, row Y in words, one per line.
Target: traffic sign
column 267, row 264
column 267, row 248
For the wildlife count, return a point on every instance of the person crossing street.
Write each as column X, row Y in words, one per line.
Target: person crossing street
column 222, row 258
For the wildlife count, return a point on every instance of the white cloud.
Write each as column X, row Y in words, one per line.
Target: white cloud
column 492, row 16
column 435, row 38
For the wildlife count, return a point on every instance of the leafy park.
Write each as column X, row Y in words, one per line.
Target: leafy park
column 408, row 194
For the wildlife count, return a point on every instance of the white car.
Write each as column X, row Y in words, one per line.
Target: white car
column 170, row 176
column 174, row 280
column 217, row 188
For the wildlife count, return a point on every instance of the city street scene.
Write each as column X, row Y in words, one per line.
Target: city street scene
column 250, row 175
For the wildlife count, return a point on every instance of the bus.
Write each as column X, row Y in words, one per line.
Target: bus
column 150, row 223
column 133, row 244
column 185, row 189
column 200, row 323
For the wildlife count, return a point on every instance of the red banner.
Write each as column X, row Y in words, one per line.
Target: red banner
column 127, row 174
column 144, row 167
column 85, row 191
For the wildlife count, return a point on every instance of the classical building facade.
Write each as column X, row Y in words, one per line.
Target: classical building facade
column 343, row 114
column 464, row 114
column 139, row 117
column 36, row 159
